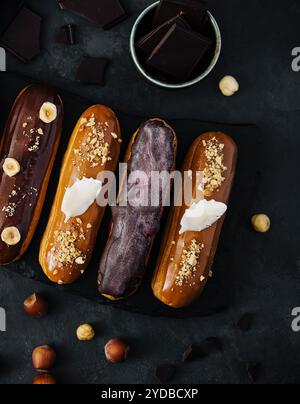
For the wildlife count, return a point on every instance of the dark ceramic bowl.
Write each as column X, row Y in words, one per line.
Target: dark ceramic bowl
column 142, row 26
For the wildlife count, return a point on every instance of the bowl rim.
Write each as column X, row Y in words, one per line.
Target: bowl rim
column 170, row 85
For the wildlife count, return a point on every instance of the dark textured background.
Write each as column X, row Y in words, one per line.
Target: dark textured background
column 258, row 37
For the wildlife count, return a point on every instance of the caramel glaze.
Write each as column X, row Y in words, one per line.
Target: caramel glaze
column 164, row 284
column 76, row 166
column 22, row 196
column 133, row 229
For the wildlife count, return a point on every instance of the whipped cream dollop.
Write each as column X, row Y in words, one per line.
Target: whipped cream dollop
column 202, row 215
column 80, row 197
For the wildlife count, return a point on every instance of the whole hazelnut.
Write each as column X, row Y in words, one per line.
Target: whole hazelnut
column 116, row 350
column 43, row 358
column 35, row 305
column 229, row 86
column 85, row 332
column 44, row 378
column 261, row 223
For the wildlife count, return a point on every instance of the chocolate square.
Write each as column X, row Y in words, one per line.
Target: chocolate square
column 92, row 70
column 195, row 12
column 105, row 13
column 179, row 52
column 66, row 35
column 22, row 37
column 148, row 42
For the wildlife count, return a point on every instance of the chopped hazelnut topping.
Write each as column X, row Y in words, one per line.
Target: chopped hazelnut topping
column 40, row 131
column 64, row 248
column 214, row 167
column 35, row 147
column 93, row 149
column 9, row 209
column 189, row 262
column 25, row 124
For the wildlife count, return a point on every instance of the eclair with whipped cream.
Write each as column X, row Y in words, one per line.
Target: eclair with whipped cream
column 191, row 238
column 81, row 198
column 28, row 149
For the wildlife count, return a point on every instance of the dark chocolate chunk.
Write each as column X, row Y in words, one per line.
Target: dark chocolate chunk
column 165, row 373
column 187, row 353
column 179, row 52
column 195, row 12
column 246, row 321
column 253, row 370
column 105, row 13
column 66, row 35
column 22, row 37
column 92, row 70
column 148, row 42
column 205, row 348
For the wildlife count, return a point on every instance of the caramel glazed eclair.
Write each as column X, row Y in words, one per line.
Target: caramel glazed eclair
column 27, row 153
column 152, row 148
column 191, row 238
column 76, row 215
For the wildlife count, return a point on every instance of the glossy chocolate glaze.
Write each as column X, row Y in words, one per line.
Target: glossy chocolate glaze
column 23, row 190
column 123, row 262
column 173, row 246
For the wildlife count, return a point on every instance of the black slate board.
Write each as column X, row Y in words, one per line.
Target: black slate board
column 219, row 293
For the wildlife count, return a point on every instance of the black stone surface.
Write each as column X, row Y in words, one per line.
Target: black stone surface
column 264, row 270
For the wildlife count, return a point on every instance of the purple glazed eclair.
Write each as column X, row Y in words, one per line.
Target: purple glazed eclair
column 134, row 226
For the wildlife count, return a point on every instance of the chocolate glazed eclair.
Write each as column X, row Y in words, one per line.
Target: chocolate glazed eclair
column 27, row 153
column 185, row 259
column 133, row 228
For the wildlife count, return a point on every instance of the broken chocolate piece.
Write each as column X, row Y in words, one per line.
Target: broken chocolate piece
column 148, row 42
column 179, row 52
column 105, row 13
column 253, row 370
column 195, row 12
column 92, row 70
column 187, row 353
column 245, row 323
column 205, row 348
column 164, row 373
column 22, row 37
column 66, row 35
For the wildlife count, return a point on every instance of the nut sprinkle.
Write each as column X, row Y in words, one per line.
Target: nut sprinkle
column 94, row 149
column 189, row 262
column 214, row 167
column 64, row 247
